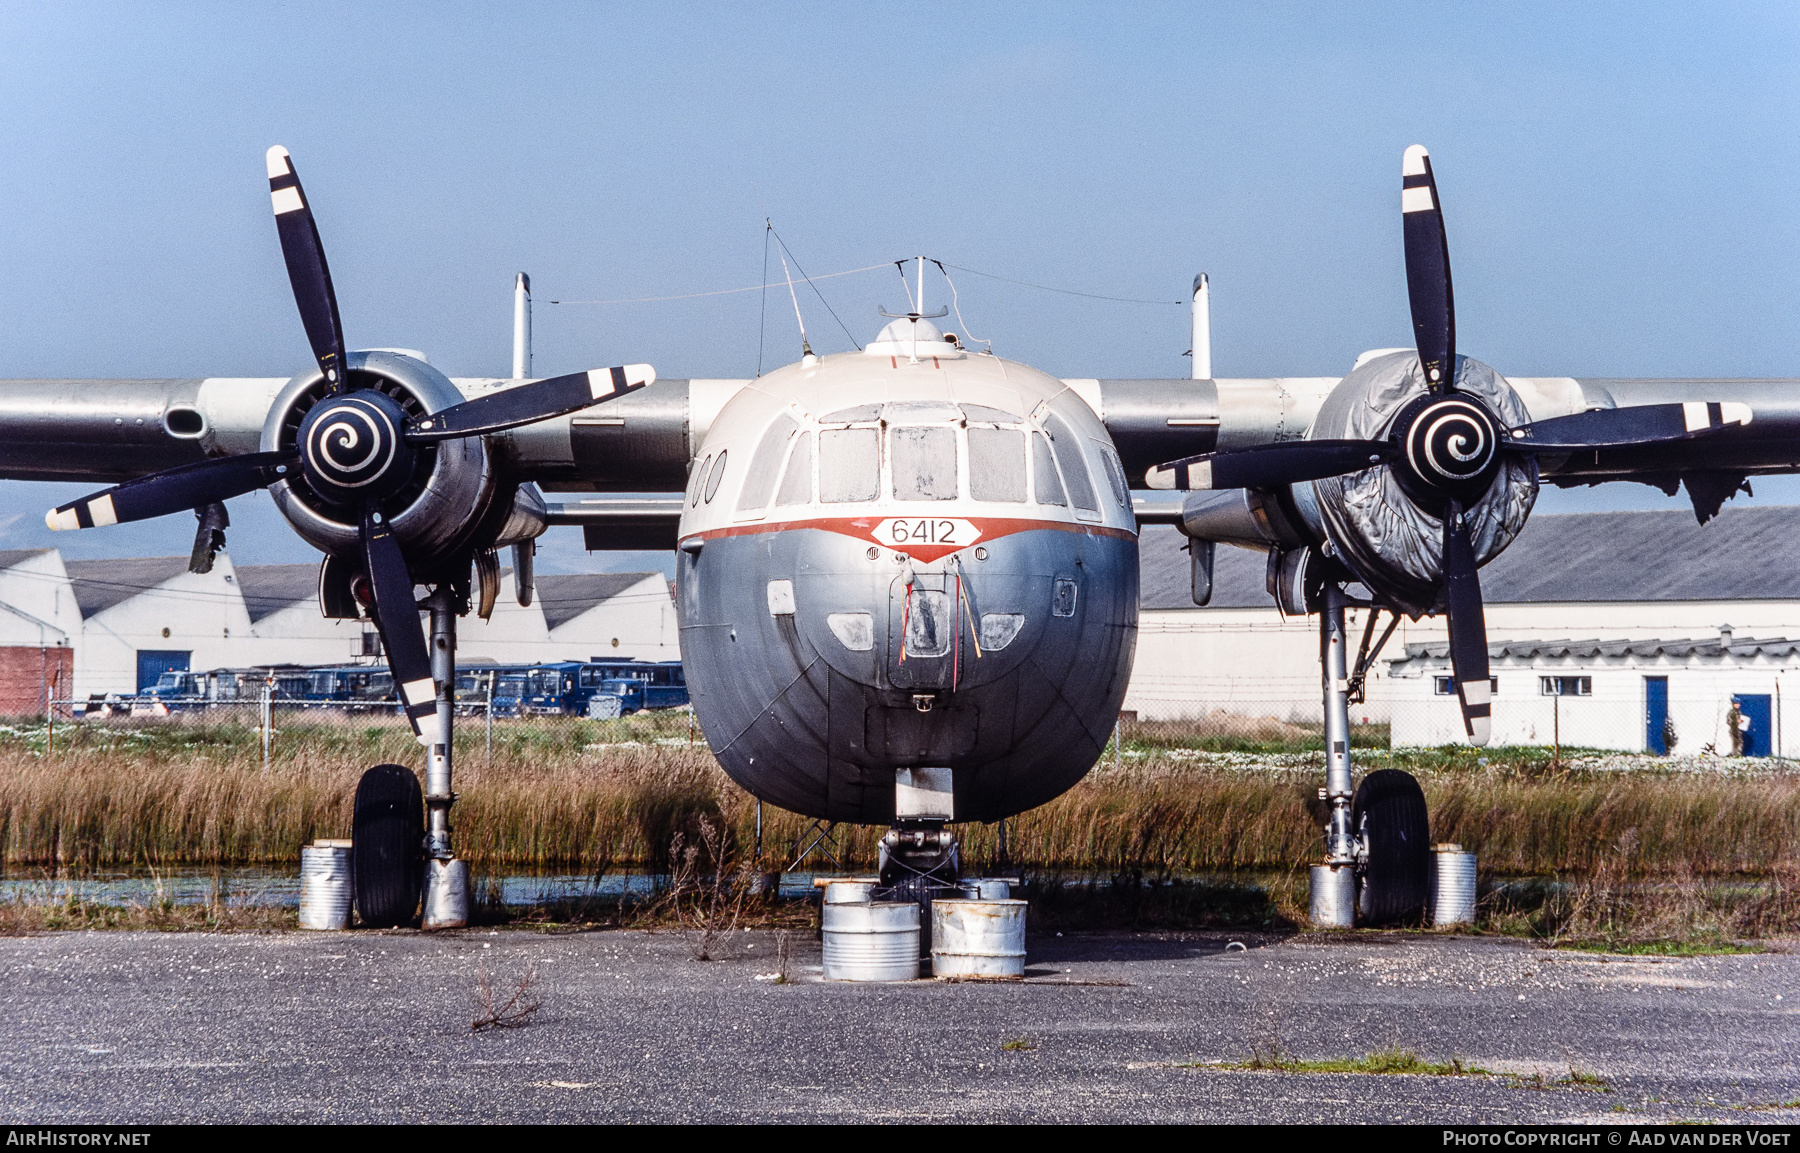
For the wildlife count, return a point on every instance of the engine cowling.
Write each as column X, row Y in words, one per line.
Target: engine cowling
column 1381, row 522
column 454, row 500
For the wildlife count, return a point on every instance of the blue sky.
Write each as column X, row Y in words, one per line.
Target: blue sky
column 1619, row 181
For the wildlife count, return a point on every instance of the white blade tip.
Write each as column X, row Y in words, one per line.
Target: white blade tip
column 1413, row 163
column 277, row 158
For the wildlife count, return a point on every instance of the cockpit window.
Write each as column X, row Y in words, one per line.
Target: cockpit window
column 849, row 464
column 766, row 464
column 797, row 485
column 1074, row 469
column 996, row 463
column 716, row 475
column 924, row 462
column 1115, row 475
column 699, row 482
column 994, row 415
column 857, row 415
column 1043, row 467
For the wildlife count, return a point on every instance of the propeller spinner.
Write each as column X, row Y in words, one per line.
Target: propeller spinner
column 355, row 449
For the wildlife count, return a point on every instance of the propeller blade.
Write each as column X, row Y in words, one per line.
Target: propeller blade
column 307, row 271
column 1267, row 465
column 1428, row 271
column 1467, row 626
column 1617, row 427
column 397, row 620
column 539, row 400
column 174, row 490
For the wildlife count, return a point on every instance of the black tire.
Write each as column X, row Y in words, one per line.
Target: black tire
column 388, row 846
column 1389, row 812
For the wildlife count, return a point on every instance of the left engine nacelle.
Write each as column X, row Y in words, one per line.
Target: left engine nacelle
column 452, row 503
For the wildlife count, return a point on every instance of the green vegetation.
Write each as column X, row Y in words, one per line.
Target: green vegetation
column 1398, row 1060
column 1391, row 1060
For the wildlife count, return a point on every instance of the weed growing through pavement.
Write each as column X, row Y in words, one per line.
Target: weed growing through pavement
column 495, row 1009
column 1018, row 1045
column 707, row 905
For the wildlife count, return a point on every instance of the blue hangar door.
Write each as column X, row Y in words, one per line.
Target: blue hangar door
column 1656, row 715
column 1755, row 709
column 153, row 663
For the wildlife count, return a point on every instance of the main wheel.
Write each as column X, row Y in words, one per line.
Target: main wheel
column 1388, row 813
column 388, row 846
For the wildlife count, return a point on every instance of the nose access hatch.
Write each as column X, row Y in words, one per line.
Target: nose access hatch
column 923, row 625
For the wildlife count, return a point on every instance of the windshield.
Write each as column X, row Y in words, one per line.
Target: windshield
column 924, row 462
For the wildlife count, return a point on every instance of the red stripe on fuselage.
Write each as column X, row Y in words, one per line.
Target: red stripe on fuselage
column 863, row 528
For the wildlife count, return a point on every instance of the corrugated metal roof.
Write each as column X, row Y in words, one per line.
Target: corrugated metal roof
column 12, row 556
column 566, row 596
column 1713, row 647
column 1742, row 554
column 101, row 584
column 269, row 588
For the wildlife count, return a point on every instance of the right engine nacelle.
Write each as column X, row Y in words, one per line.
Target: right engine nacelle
column 1375, row 522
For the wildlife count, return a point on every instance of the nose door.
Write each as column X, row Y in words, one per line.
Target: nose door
column 923, row 632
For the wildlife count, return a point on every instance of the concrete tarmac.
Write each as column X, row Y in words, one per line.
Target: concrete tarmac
column 366, row 1026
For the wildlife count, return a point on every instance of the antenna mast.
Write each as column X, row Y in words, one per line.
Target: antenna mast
column 805, row 346
column 521, row 327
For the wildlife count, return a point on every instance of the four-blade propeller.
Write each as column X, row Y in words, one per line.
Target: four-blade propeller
column 354, row 448
column 1444, row 445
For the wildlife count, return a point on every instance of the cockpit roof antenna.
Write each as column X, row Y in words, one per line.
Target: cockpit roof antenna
column 956, row 306
column 762, row 314
column 805, row 347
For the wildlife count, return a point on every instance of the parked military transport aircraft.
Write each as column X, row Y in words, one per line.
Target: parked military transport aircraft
column 907, row 576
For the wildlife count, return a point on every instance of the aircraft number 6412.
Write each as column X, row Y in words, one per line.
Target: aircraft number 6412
column 898, row 532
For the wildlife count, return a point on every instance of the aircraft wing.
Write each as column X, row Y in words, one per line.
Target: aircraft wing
column 1155, row 421
column 114, row 430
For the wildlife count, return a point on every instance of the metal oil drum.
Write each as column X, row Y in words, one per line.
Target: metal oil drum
column 325, row 885
column 978, row 939
column 848, row 892
column 1452, row 886
column 871, row 940
column 984, row 889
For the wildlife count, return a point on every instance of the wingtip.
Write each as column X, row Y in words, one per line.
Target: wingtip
column 277, row 158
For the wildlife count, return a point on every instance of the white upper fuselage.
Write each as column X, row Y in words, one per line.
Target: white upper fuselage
column 920, row 453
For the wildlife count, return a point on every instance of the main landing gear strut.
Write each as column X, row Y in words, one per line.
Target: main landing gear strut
column 398, row 859
column 1377, row 835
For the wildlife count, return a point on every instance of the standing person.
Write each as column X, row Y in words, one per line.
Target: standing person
column 1735, row 724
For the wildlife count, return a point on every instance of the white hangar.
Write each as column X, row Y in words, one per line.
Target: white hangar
column 113, row 626
column 1612, row 630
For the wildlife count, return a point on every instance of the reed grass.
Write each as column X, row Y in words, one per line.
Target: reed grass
column 598, row 794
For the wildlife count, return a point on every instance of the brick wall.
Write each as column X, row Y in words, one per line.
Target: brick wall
column 23, row 673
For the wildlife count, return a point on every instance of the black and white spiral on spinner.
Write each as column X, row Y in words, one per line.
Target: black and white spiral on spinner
column 1451, row 445
column 351, row 447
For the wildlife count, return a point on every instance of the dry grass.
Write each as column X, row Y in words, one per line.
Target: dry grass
column 594, row 795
